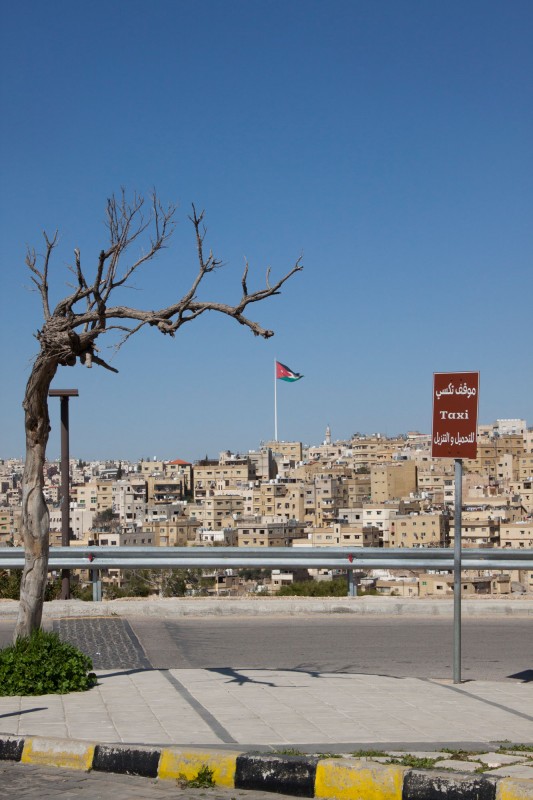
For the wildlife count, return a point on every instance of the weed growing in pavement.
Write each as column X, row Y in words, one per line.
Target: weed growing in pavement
column 415, row 762
column 369, row 754
column 457, row 755
column 519, row 748
column 289, row 751
column 203, row 779
column 328, row 755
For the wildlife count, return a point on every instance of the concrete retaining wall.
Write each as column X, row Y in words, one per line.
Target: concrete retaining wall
column 251, row 606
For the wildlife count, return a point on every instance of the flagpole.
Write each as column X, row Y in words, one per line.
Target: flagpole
column 275, row 404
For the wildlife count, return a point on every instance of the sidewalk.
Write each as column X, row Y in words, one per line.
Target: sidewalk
column 262, row 709
column 170, row 723
column 218, row 714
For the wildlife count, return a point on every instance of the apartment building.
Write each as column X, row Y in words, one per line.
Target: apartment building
column 263, row 464
column 523, row 490
column 162, row 490
column 256, row 532
column 341, row 534
column 10, row 521
column 393, row 481
column 430, row 481
column 80, row 521
column 229, row 474
column 380, row 516
column 288, row 451
column 356, row 490
column 518, row 535
column 418, row 530
column 477, row 533
column 146, row 468
column 490, row 452
column 525, row 467
column 180, row 469
column 376, row 449
column 178, row 531
column 129, row 499
column 279, row 498
column 96, row 495
column 217, row 512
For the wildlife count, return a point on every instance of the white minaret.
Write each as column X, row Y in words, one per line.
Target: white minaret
column 328, row 435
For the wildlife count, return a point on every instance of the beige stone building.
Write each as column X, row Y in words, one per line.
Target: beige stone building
column 176, row 532
column 393, row 481
column 374, row 450
column 129, row 499
column 344, row 535
column 518, row 535
column 10, row 520
column 218, row 512
column 182, row 470
column 289, row 451
column 95, row 495
column 162, row 490
column 523, row 492
column 431, row 585
column 356, row 490
column 477, row 533
column 418, row 530
column 80, row 521
column 275, row 498
column 84, row 495
column 491, row 452
column 230, row 474
column 380, row 516
column 399, row 588
column 256, row 532
column 525, row 467
column 151, row 468
column 323, row 500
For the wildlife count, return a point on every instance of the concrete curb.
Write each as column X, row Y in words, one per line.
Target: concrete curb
column 301, row 776
column 171, row 607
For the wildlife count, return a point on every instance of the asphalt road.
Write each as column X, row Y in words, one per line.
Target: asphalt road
column 499, row 649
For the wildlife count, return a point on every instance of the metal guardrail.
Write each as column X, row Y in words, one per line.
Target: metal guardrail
column 343, row 558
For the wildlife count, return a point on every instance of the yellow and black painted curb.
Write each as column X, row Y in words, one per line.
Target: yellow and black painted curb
column 302, row 776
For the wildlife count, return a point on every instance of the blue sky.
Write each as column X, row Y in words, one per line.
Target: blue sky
column 389, row 143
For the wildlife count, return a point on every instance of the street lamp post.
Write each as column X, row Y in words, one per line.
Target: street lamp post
column 64, row 394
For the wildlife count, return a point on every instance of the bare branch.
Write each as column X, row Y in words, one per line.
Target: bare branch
column 100, row 361
column 41, row 279
column 243, row 281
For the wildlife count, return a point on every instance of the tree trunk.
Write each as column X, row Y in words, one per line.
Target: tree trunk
column 35, row 517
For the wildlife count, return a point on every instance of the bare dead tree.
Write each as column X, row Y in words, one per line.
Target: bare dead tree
column 69, row 335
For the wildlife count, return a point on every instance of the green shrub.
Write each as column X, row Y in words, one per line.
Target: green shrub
column 43, row 664
column 335, row 588
column 10, row 584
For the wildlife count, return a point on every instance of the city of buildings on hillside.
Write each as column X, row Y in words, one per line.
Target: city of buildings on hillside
column 368, row 491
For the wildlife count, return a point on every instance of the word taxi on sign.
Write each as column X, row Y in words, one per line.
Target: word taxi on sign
column 455, row 407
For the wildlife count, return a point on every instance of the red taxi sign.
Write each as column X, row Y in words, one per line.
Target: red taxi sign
column 455, row 408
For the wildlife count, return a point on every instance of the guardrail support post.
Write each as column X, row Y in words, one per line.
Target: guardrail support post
column 97, row 586
column 352, row 584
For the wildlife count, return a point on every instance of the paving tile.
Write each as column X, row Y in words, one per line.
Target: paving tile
column 459, row 766
column 519, row 771
column 497, row 759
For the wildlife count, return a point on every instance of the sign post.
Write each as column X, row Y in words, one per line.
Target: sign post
column 455, row 408
column 64, row 394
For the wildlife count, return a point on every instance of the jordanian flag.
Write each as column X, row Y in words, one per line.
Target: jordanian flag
column 286, row 374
